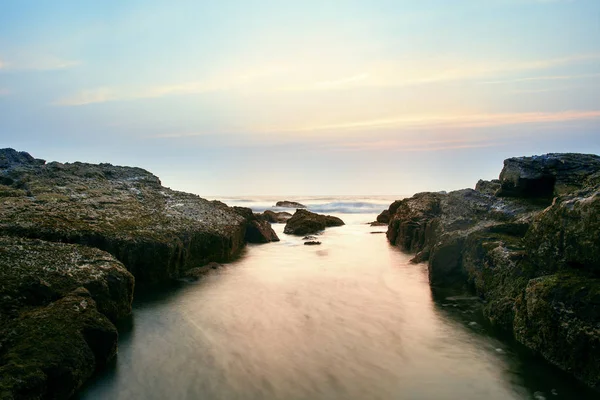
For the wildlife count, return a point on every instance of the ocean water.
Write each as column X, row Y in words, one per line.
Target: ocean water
column 349, row 319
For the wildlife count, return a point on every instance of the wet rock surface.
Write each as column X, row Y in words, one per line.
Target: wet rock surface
column 534, row 260
column 304, row 222
column 56, row 305
column 72, row 238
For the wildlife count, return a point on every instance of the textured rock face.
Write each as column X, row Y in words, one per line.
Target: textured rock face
column 568, row 232
column 156, row 232
column 57, row 296
column 36, row 272
column 536, row 265
column 55, row 303
column 384, row 217
column 547, row 175
column 304, row 222
column 257, row 229
column 50, row 351
column 289, row 204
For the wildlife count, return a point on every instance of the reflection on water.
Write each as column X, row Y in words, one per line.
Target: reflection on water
column 350, row 319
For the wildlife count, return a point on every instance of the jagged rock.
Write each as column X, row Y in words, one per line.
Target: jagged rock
column 275, row 217
column 537, row 268
column 547, row 175
column 289, row 204
column 50, row 351
column 157, row 233
column 304, row 222
column 257, row 230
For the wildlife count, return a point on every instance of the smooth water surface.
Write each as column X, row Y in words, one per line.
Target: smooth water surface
column 350, row 319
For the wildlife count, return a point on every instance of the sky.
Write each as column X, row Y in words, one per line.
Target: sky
column 312, row 97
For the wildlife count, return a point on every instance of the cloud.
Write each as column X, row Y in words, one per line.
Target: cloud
column 444, row 121
column 4, row 92
column 37, row 62
column 299, row 77
column 544, row 78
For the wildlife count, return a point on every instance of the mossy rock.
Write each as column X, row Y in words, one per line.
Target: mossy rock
column 49, row 352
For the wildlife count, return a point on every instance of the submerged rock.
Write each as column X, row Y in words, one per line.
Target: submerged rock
column 197, row 273
column 304, row 222
column 312, row 243
column 536, row 265
column 289, row 204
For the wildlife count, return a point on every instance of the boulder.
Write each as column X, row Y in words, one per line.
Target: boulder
column 304, row 222
column 56, row 305
column 50, row 351
column 384, row 217
column 289, row 204
column 275, row 217
column 257, row 229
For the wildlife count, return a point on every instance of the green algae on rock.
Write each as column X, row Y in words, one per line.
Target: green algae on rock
column 56, row 305
column 158, row 233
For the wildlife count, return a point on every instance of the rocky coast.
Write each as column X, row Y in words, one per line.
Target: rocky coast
column 528, row 244
column 73, row 238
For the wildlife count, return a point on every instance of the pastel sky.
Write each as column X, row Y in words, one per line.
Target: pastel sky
column 301, row 97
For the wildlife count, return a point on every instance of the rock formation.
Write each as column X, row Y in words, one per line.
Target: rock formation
column 304, row 222
column 257, row 229
column 56, row 305
column 72, row 238
column 528, row 244
column 289, row 204
column 275, row 217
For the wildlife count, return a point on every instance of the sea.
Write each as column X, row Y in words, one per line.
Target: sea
column 349, row 319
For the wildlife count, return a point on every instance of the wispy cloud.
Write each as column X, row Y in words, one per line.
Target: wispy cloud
column 4, row 92
column 446, row 121
column 37, row 62
column 544, row 78
column 298, row 77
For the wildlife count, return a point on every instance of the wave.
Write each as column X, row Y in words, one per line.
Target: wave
column 321, row 205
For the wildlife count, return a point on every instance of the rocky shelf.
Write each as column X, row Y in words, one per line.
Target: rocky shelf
column 528, row 244
column 73, row 237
